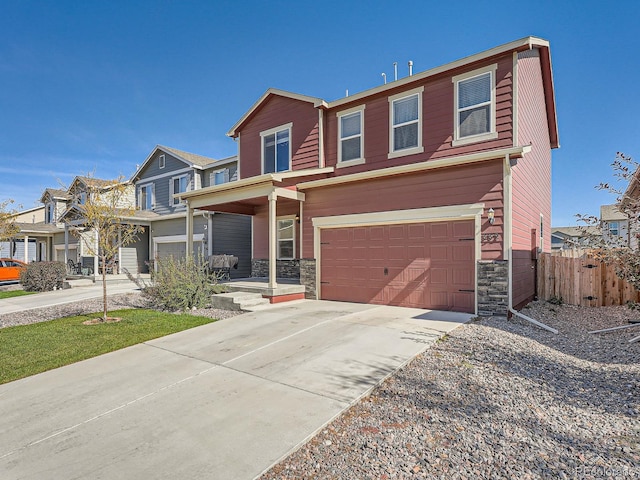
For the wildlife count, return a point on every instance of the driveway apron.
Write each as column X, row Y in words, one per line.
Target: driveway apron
column 225, row 401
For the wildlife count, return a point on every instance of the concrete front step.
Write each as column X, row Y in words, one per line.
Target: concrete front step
column 238, row 301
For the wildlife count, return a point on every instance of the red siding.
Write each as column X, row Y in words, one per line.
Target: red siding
column 261, row 226
column 438, row 121
column 476, row 183
column 274, row 112
column 531, row 176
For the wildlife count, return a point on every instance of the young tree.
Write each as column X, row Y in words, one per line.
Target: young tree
column 621, row 252
column 8, row 227
column 103, row 210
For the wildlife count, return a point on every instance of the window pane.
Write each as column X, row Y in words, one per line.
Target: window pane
column 350, row 149
column 405, row 110
column 474, row 91
column 350, row 125
column 220, row 177
column 285, row 229
column 285, row 249
column 269, row 154
column 474, row 121
column 405, row 136
column 283, row 151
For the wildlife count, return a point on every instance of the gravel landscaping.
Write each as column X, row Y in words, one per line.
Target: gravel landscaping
column 496, row 399
column 127, row 300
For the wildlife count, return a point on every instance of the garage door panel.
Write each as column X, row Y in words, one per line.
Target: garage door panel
column 427, row 264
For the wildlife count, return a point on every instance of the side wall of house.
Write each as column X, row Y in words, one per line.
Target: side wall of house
column 232, row 236
column 161, row 179
column 276, row 112
column 531, row 179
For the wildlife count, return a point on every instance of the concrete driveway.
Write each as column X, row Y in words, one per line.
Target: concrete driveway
column 224, row 401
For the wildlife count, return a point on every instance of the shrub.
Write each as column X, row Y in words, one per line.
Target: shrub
column 43, row 276
column 180, row 284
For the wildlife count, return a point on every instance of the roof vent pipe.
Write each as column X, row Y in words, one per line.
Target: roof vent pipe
column 395, row 71
column 410, row 67
column 384, row 76
column 346, row 93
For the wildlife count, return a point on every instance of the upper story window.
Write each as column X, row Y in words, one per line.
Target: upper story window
column 286, row 239
column 161, row 161
column 49, row 213
column 276, row 149
column 145, row 197
column 614, row 229
column 219, row 177
column 179, row 185
column 351, row 136
column 405, row 116
column 475, row 106
column 81, row 198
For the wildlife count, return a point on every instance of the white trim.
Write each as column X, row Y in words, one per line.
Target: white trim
column 212, row 176
column 197, row 237
column 344, row 113
column 274, row 131
column 394, row 217
column 492, row 133
column 176, row 202
column 419, row 148
column 162, row 161
column 321, row 160
column 153, row 196
column 417, row 167
column 164, row 175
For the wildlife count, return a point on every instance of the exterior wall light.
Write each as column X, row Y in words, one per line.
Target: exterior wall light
column 491, row 215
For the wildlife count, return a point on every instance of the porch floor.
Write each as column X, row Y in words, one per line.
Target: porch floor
column 285, row 286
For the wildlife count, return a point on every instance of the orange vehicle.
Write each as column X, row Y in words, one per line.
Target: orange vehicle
column 10, row 269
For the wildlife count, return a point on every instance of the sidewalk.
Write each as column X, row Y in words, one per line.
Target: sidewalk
column 59, row 297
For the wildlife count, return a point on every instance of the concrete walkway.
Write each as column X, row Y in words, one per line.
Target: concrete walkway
column 59, row 297
column 226, row 400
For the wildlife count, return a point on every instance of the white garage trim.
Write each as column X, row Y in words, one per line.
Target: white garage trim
column 391, row 217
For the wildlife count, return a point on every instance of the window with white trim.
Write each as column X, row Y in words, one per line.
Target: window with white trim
column 286, row 238
column 219, row 177
column 179, row 185
column 475, row 106
column 614, row 229
column 351, row 136
column 161, row 161
column 405, row 118
column 50, row 213
column 145, row 197
column 276, row 149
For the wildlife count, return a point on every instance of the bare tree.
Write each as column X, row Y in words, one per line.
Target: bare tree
column 8, row 227
column 623, row 252
column 103, row 210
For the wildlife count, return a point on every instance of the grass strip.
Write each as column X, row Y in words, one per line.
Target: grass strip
column 30, row 349
column 14, row 293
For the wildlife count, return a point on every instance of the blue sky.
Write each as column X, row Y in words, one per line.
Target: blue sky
column 94, row 86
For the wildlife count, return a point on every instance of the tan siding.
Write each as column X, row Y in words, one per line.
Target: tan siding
column 531, row 176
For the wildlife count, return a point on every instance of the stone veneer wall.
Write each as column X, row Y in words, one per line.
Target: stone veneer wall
column 284, row 268
column 308, row 277
column 493, row 288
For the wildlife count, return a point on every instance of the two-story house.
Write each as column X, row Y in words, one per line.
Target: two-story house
column 431, row 191
column 167, row 172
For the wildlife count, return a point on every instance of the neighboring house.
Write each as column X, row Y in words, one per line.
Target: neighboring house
column 566, row 238
column 432, row 191
column 615, row 225
column 168, row 172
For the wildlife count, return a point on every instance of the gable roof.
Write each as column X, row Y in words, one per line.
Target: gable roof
column 191, row 159
column 526, row 43
column 574, row 231
column 56, row 193
column 611, row 212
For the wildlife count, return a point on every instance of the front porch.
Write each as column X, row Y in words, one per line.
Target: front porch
column 286, row 289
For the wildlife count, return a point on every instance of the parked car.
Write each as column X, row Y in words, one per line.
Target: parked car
column 10, row 269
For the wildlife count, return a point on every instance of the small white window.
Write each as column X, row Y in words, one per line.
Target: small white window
column 405, row 117
column 475, row 106
column 161, row 161
column 614, row 229
column 276, row 149
column 219, row 177
column 351, row 136
column 179, row 185
column 145, row 197
column 50, row 213
column 286, row 238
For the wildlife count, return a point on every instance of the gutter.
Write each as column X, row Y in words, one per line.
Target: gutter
column 509, row 241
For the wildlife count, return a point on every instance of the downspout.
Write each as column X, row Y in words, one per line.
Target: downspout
column 320, row 138
column 508, row 213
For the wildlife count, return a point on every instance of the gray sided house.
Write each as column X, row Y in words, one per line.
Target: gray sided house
column 167, row 172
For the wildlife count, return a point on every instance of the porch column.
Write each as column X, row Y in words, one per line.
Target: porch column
column 189, row 231
column 66, row 243
column 26, row 249
column 273, row 239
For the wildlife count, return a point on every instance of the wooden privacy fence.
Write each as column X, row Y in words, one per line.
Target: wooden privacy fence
column 582, row 281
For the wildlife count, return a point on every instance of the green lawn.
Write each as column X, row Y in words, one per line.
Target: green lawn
column 14, row 293
column 29, row 349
